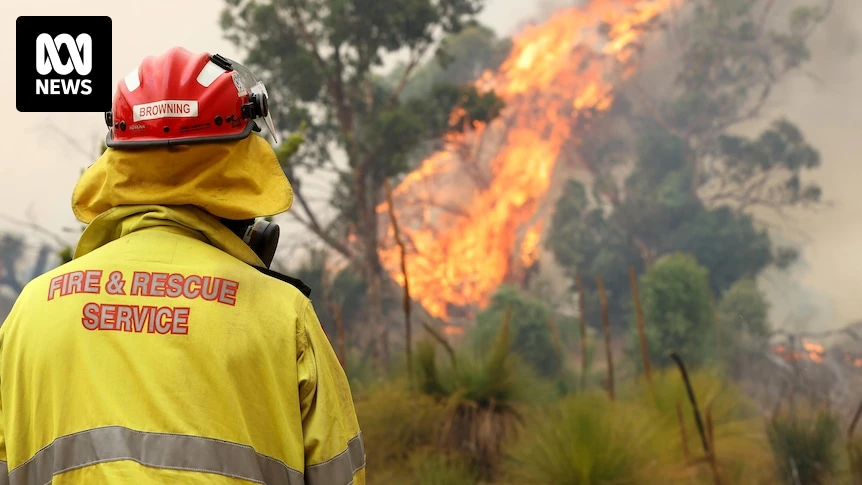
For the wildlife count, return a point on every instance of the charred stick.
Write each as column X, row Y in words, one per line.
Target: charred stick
column 582, row 322
column 606, row 324
column 640, row 324
column 692, row 399
column 682, row 432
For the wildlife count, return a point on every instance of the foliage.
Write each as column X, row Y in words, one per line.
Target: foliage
column 658, row 216
column 359, row 371
column 854, row 449
column 677, row 310
column 395, row 421
column 740, row 437
column 343, row 288
column 586, row 439
column 743, row 312
column 732, row 54
column 532, row 339
column 431, row 468
column 318, row 58
column 805, row 441
column 461, row 59
column 689, row 178
column 482, row 393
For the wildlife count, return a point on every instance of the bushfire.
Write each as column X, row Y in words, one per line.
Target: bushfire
column 469, row 212
column 811, row 351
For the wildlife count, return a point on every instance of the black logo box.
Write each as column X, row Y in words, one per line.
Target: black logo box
column 27, row 29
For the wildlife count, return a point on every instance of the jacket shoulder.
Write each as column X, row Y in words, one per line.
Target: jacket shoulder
column 294, row 282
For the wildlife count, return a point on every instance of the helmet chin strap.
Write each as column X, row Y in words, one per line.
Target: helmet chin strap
column 259, row 234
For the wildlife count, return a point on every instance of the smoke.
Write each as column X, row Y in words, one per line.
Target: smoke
column 825, row 101
column 822, row 291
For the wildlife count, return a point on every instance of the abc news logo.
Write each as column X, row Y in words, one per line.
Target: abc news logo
column 48, row 61
column 71, row 71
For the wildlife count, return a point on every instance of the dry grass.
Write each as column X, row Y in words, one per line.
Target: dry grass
column 854, row 452
column 589, row 440
column 395, row 422
column 739, row 435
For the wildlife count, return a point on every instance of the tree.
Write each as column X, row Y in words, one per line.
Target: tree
column 689, row 183
column 677, row 309
column 659, row 216
column 318, row 57
column 731, row 54
column 463, row 57
column 743, row 312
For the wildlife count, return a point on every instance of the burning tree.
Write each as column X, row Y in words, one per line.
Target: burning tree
column 319, row 57
column 474, row 212
column 670, row 175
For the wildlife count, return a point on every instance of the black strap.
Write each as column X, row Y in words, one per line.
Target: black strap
column 296, row 283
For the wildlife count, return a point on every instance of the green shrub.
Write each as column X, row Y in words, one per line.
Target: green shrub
column 741, row 444
column 360, row 372
column 531, row 339
column 395, row 421
column 482, row 393
column 743, row 309
column 677, row 306
column 805, row 444
column 586, row 440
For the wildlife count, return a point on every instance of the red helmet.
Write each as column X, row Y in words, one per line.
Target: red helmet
column 181, row 98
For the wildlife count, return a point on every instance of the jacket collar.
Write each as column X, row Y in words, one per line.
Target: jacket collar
column 188, row 220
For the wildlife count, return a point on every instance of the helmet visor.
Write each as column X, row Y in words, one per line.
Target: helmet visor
column 246, row 82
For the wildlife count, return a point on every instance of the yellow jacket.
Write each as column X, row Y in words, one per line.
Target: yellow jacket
column 161, row 355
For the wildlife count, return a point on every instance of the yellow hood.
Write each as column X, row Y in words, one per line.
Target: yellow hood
column 235, row 180
column 189, row 220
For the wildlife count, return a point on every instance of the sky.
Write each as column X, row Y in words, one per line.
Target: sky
column 43, row 153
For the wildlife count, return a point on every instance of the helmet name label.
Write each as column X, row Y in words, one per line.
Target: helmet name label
column 168, row 108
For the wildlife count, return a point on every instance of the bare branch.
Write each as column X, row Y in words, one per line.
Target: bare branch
column 416, row 57
column 654, row 111
column 315, row 226
column 764, row 14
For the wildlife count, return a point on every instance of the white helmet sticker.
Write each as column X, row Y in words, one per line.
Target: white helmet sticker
column 168, row 108
column 240, row 89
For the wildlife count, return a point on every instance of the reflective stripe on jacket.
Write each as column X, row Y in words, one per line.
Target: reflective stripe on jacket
column 158, row 358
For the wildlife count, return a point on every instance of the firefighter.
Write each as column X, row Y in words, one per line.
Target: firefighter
column 167, row 351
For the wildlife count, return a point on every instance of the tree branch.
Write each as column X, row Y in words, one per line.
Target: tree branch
column 415, row 57
column 313, row 224
column 334, row 85
column 654, row 111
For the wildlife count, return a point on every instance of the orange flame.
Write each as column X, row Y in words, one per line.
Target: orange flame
column 464, row 230
column 811, row 351
column 529, row 251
